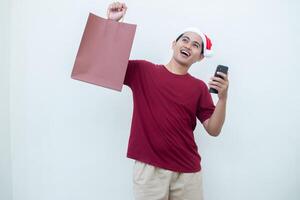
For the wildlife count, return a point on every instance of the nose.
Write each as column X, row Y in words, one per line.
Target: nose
column 188, row 45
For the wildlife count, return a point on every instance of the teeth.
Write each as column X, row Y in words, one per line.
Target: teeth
column 185, row 52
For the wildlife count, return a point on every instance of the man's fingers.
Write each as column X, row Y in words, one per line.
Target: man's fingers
column 124, row 6
column 117, row 6
column 223, row 80
column 215, row 87
column 113, row 6
column 217, row 79
column 216, row 83
column 223, row 75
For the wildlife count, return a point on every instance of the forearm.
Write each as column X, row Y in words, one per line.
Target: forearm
column 217, row 119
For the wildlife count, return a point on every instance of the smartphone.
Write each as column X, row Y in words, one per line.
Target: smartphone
column 220, row 68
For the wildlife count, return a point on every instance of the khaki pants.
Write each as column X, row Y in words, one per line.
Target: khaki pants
column 154, row 183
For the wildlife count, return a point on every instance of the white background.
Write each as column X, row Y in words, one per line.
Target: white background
column 63, row 139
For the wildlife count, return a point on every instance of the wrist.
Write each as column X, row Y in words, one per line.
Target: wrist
column 223, row 100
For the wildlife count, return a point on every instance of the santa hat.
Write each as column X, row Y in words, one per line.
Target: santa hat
column 207, row 50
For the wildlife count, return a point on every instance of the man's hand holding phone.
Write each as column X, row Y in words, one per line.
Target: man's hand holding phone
column 219, row 82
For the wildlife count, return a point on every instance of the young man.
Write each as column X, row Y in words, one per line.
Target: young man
column 167, row 102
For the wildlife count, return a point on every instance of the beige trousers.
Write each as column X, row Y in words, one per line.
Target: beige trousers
column 154, row 183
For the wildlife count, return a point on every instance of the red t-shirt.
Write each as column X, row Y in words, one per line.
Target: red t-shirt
column 165, row 108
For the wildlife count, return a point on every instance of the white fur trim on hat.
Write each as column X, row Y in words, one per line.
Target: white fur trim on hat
column 207, row 44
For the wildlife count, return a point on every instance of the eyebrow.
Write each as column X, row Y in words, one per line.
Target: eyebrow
column 190, row 39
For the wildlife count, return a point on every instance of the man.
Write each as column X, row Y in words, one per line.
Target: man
column 167, row 102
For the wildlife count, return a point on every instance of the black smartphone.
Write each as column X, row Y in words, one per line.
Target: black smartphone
column 220, row 68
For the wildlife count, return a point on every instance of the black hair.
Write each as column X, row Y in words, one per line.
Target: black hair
column 202, row 45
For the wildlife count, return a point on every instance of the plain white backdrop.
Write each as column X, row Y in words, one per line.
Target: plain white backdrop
column 5, row 152
column 63, row 139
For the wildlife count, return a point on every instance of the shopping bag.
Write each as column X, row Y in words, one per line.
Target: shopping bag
column 104, row 51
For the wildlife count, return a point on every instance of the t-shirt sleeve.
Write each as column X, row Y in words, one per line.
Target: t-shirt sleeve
column 206, row 105
column 132, row 72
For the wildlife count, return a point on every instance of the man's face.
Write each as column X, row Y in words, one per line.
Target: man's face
column 187, row 50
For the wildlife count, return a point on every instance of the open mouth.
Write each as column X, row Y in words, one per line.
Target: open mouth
column 185, row 53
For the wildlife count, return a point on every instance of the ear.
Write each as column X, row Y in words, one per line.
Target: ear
column 173, row 44
column 200, row 57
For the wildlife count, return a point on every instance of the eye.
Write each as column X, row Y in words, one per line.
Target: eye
column 184, row 39
column 197, row 46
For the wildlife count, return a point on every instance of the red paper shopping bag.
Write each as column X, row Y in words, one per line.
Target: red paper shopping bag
column 104, row 52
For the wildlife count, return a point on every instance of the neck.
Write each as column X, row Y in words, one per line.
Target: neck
column 177, row 68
